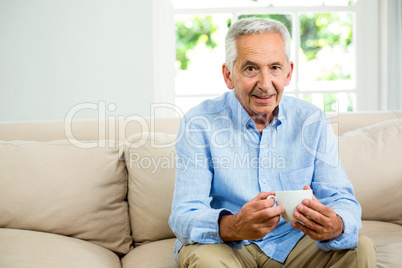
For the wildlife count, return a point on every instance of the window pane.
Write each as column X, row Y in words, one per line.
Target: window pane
column 326, row 52
column 200, row 53
column 336, row 102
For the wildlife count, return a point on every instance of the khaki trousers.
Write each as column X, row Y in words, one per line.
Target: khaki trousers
column 305, row 254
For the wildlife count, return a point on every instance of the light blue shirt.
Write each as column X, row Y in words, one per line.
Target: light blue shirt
column 223, row 162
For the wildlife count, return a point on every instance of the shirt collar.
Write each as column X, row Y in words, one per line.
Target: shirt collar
column 239, row 113
column 243, row 118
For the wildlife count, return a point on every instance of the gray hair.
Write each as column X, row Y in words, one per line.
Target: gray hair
column 249, row 26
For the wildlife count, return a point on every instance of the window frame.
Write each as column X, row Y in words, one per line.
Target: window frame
column 365, row 41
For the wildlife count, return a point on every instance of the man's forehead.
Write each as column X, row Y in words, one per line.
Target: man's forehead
column 253, row 47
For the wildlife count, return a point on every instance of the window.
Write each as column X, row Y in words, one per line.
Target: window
column 325, row 35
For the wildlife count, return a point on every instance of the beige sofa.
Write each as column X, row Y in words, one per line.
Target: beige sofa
column 102, row 198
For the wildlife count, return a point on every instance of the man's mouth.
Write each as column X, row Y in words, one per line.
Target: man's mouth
column 263, row 98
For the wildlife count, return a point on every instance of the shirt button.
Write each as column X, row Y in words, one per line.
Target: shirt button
column 264, row 180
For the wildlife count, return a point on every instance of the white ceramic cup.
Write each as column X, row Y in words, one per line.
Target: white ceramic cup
column 289, row 200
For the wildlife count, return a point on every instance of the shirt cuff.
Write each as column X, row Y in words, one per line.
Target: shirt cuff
column 347, row 239
column 206, row 231
column 233, row 244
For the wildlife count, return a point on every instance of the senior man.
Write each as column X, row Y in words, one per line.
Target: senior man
column 236, row 150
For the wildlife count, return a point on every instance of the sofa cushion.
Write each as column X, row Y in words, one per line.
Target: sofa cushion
column 59, row 188
column 22, row 248
column 150, row 160
column 387, row 238
column 371, row 157
column 158, row 254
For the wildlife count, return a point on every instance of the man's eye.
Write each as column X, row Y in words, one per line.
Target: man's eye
column 276, row 70
column 251, row 70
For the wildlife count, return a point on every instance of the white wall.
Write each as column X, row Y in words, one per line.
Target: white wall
column 57, row 54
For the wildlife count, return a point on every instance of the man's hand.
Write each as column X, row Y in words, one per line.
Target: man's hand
column 255, row 220
column 317, row 221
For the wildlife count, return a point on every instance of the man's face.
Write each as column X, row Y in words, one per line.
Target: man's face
column 260, row 73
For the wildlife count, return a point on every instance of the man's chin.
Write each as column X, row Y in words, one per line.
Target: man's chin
column 265, row 113
column 268, row 109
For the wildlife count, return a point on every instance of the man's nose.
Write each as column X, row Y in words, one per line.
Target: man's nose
column 264, row 80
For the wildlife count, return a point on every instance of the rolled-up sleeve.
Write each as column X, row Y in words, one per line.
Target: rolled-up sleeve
column 192, row 219
column 332, row 187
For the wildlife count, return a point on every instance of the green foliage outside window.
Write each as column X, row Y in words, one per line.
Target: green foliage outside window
column 189, row 33
column 325, row 30
column 315, row 32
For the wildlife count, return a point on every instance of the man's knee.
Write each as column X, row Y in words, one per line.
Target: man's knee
column 366, row 252
column 208, row 255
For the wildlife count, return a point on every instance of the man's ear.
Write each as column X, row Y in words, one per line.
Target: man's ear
column 227, row 75
column 290, row 72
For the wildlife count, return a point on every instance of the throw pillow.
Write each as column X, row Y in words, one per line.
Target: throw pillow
column 371, row 157
column 150, row 160
column 56, row 187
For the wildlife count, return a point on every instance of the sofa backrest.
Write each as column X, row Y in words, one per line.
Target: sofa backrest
column 344, row 122
column 85, row 130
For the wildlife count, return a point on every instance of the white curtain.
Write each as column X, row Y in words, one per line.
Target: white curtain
column 394, row 54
